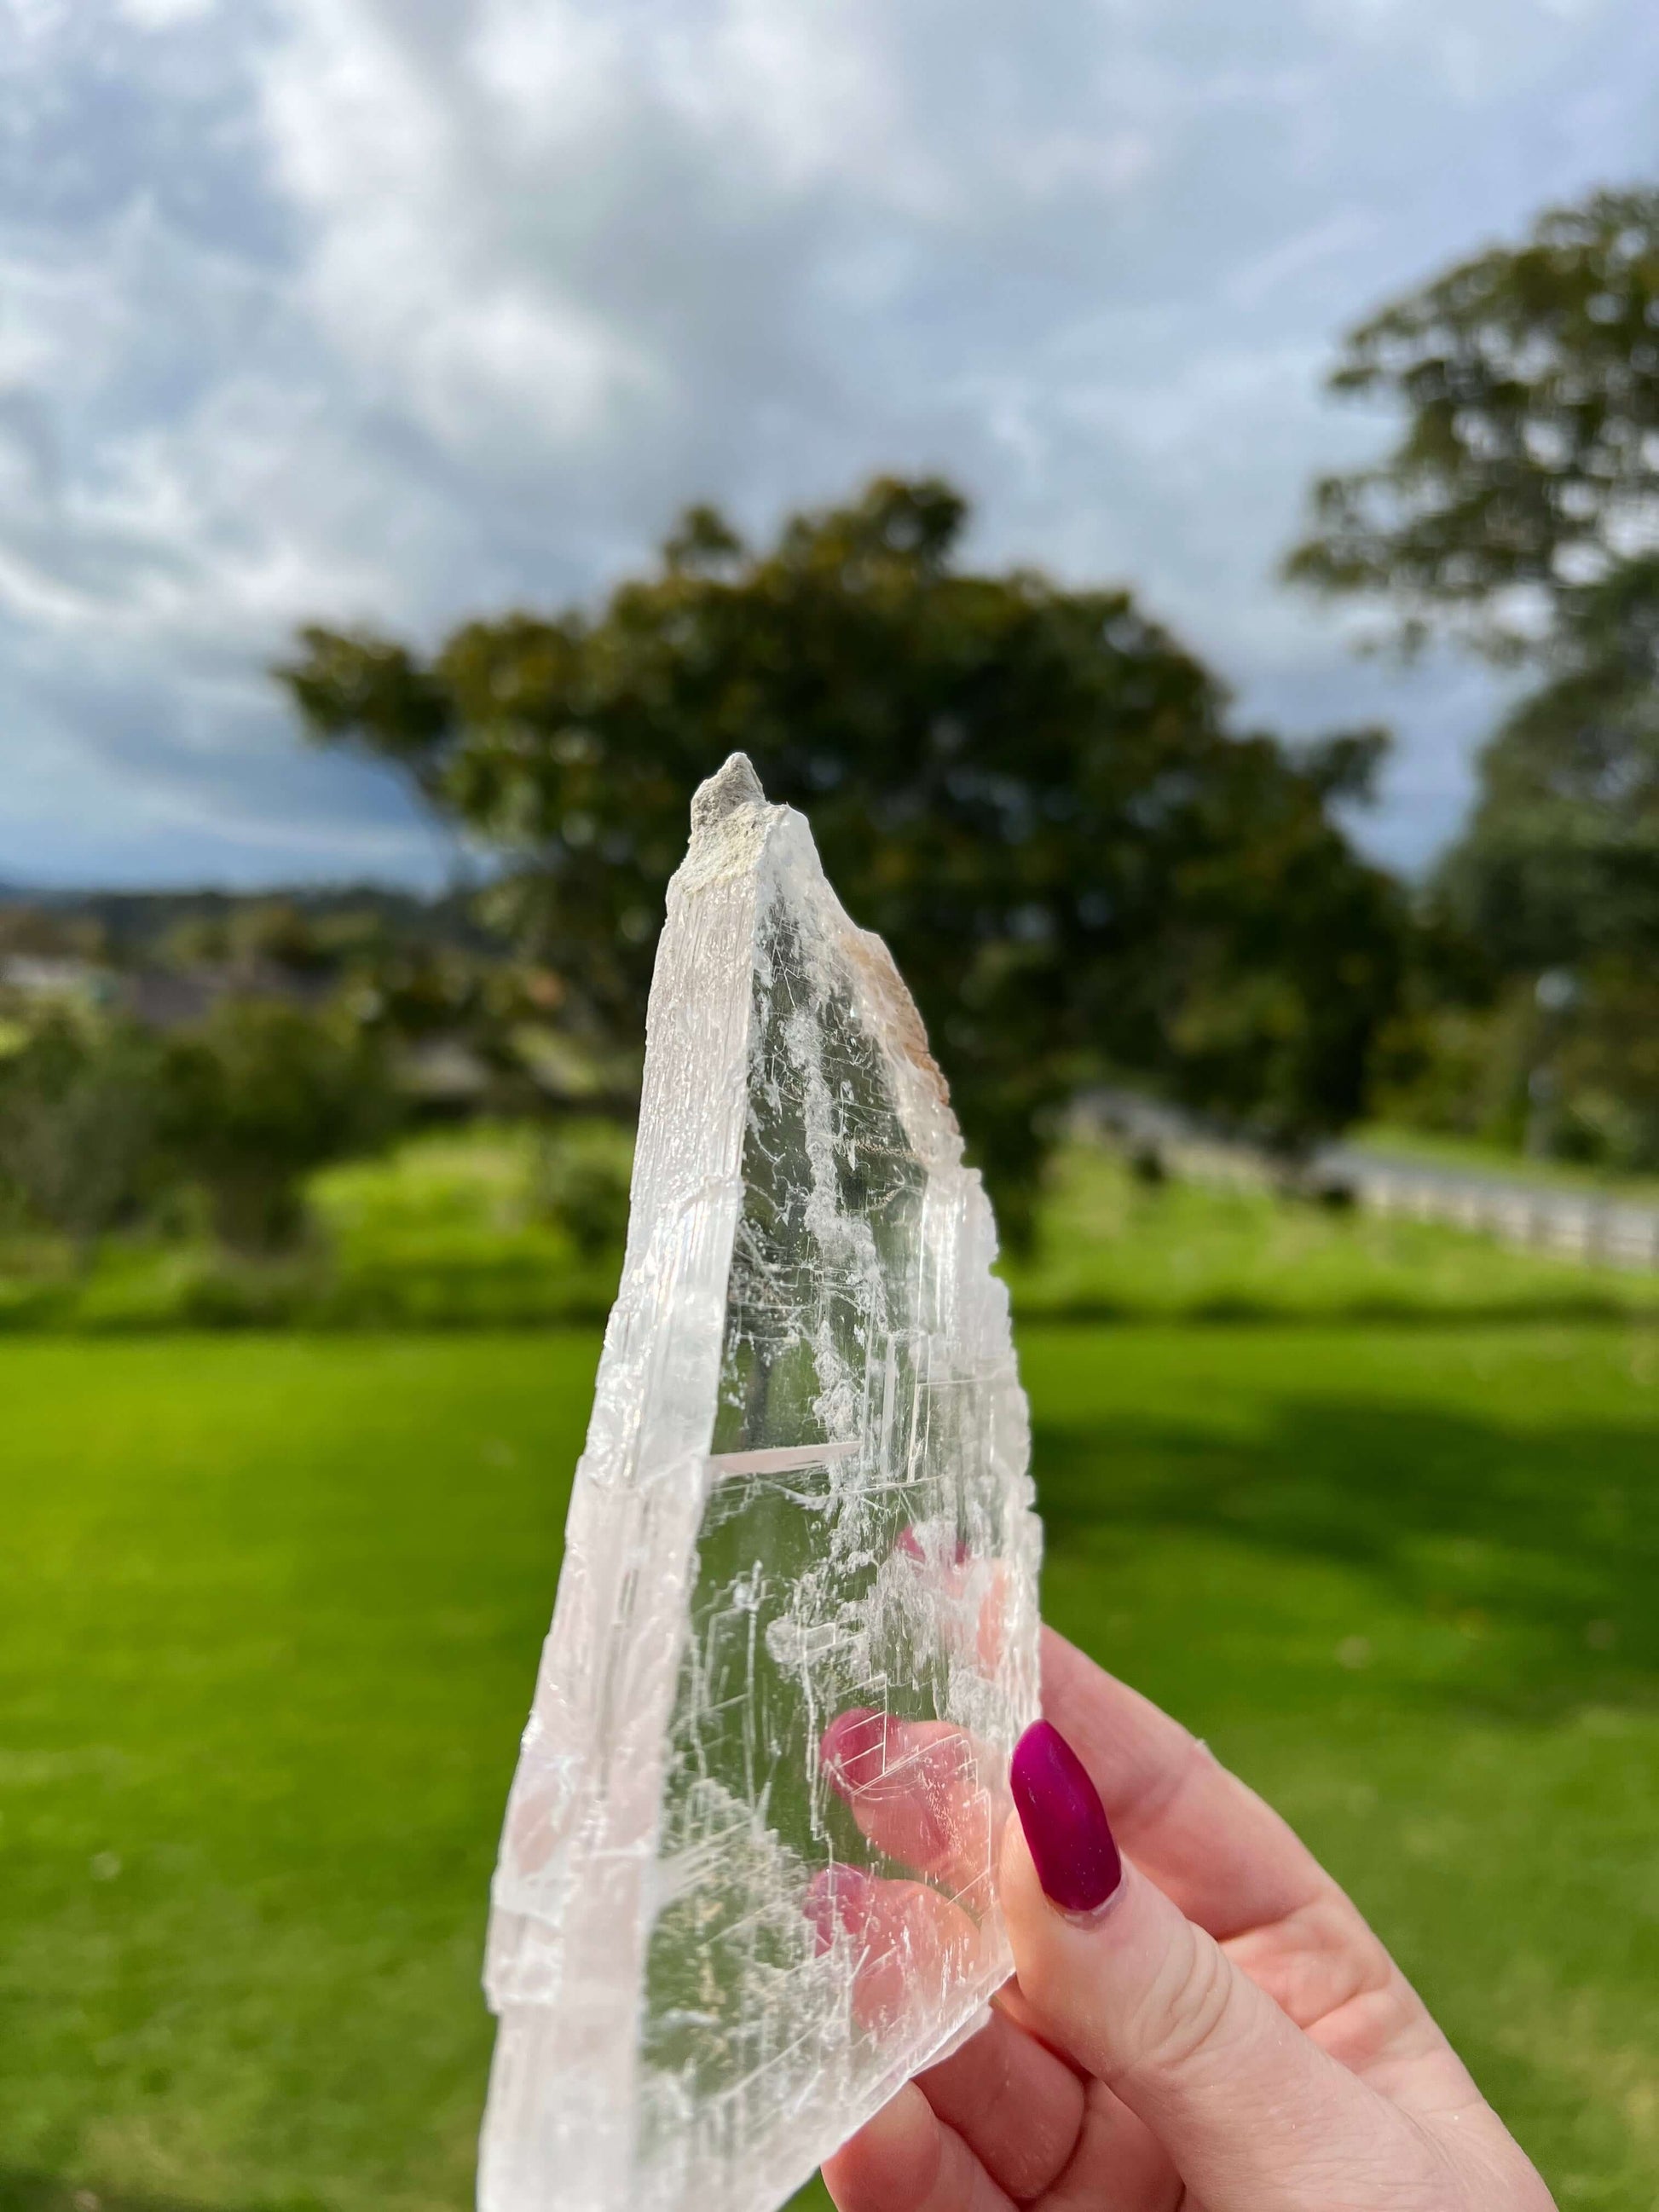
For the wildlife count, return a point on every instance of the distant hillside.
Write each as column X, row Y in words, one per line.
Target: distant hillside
column 129, row 927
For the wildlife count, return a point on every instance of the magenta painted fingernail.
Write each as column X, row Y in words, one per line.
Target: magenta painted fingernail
column 1065, row 1822
column 853, row 1748
column 911, row 1545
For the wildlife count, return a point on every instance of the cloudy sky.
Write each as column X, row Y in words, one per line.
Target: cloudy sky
column 397, row 310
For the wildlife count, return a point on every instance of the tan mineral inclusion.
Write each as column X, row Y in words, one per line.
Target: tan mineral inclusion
column 745, row 1884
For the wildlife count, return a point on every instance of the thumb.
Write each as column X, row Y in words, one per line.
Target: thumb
column 1255, row 2117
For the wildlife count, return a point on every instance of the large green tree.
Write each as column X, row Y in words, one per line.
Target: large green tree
column 1518, row 510
column 1525, row 381
column 1031, row 791
column 1559, row 866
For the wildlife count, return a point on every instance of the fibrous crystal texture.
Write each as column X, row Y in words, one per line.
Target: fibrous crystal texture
column 746, row 1882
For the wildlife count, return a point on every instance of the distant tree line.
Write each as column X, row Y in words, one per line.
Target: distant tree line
column 186, row 1061
column 99, row 1121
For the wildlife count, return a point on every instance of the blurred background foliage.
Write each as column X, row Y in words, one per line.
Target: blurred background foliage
column 1087, row 874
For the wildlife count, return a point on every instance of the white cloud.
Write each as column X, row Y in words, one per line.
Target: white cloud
column 164, row 15
column 396, row 309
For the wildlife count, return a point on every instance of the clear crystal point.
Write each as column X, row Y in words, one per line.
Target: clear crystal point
column 744, row 1882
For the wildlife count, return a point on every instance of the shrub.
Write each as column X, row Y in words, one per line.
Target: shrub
column 79, row 1109
column 263, row 1092
column 581, row 1184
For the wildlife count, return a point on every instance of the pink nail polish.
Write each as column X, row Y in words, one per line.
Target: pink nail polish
column 852, row 1749
column 910, row 1544
column 1065, row 1822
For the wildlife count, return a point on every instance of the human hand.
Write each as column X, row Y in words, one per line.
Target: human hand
column 1206, row 2025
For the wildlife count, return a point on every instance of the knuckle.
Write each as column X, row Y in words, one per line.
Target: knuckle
column 1186, row 2011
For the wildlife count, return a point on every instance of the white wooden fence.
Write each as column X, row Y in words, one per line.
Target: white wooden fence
column 1579, row 1225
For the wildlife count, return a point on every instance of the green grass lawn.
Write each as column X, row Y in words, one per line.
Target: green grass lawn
column 270, row 1608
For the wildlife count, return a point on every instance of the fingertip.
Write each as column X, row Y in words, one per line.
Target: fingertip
column 839, row 1898
column 1057, row 1954
column 853, row 1748
column 1147, row 2002
column 892, row 2163
column 1019, row 1892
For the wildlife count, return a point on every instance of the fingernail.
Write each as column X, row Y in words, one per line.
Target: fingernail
column 852, row 1749
column 911, row 1545
column 1066, row 1825
column 838, row 1897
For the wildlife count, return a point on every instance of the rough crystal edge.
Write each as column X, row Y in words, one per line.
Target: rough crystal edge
column 733, row 827
column 561, row 1980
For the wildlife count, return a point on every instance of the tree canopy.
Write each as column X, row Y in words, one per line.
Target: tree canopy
column 1559, row 864
column 1518, row 510
column 1031, row 791
column 1527, row 463
column 1520, row 507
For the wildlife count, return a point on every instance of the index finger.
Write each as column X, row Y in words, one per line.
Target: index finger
column 916, row 1790
column 1205, row 1839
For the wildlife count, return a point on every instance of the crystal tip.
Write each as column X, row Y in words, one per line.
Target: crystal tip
column 734, row 785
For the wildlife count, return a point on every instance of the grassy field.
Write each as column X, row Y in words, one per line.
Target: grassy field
column 269, row 1607
column 444, row 1234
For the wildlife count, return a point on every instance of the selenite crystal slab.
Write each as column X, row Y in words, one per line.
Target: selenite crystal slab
column 745, row 1885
